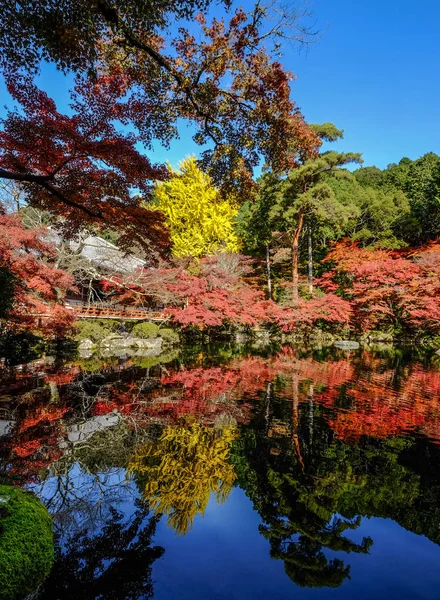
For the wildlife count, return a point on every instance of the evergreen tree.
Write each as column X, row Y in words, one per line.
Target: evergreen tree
column 379, row 216
column 419, row 180
column 306, row 197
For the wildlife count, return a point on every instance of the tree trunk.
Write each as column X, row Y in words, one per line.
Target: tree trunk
column 311, row 412
column 269, row 275
column 310, row 259
column 268, row 402
column 295, row 253
column 295, row 418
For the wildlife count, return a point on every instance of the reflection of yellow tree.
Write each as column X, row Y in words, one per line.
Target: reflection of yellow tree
column 183, row 468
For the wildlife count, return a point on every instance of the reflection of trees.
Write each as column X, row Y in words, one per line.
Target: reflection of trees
column 322, row 449
column 80, row 499
column 307, row 566
column 182, row 468
column 309, row 502
column 115, row 563
column 359, row 395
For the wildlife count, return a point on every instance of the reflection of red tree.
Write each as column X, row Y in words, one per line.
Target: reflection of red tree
column 380, row 410
column 42, row 414
column 380, row 407
column 205, row 394
column 361, row 395
column 39, row 373
column 35, row 441
column 63, row 377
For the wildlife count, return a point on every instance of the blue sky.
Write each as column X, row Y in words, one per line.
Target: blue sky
column 374, row 73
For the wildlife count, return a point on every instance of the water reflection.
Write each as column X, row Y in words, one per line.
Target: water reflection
column 178, row 472
column 318, row 441
column 114, row 563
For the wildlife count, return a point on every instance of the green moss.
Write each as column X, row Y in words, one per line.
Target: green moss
column 92, row 364
column 26, row 543
column 145, row 330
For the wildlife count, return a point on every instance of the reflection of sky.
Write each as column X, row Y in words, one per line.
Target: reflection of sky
column 82, row 500
column 225, row 557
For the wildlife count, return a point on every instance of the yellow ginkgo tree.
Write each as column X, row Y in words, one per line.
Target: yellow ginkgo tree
column 200, row 221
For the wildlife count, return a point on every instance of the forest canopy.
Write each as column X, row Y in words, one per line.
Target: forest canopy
column 253, row 232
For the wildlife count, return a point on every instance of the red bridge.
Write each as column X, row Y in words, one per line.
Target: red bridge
column 102, row 310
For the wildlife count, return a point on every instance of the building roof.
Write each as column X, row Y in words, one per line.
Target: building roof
column 101, row 253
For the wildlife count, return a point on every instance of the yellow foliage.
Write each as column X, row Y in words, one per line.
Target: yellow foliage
column 181, row 470
column 200, row 222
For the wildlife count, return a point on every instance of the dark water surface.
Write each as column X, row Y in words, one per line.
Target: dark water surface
column 229, row 473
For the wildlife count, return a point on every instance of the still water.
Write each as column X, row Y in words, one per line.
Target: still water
column 231, row 473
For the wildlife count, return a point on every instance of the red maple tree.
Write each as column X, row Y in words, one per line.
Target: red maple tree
column 37, row 287
column 80, row 167
column 387, row 288
column 215, row 292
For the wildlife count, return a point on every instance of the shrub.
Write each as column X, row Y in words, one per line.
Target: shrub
column 26, row 543
column 111, row 325
column 93, row 364
column 169, row 335
column 96, row 329
column 91, row 330
column 145, row 330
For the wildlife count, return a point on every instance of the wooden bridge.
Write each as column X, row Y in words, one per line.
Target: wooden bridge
column 102, row 310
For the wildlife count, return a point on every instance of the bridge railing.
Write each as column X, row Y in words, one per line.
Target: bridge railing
column 111, row 311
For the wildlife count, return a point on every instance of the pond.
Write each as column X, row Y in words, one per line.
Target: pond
column 231, row 472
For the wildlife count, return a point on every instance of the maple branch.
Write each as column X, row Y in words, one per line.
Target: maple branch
column 43, row 181
column 72, row 203
column 287, row 24
column 27, row 177
column 112, row 17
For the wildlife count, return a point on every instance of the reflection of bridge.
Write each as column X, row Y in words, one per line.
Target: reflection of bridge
column 102, row 310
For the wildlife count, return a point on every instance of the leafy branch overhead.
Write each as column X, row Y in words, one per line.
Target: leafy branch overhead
column 220, row 78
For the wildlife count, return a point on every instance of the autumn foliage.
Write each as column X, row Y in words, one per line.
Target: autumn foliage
column 79, row 167
column 35, row 285
column 200, row 221
column 387, row 289
column 214, row 292
column 361, row 395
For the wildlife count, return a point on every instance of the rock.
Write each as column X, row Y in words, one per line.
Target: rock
column 241, row 337
column 115, row 352
column 86, row 348
column 85, row 344
column 81, row 432
column 376, row 336
column 118, row 342
column 113, row 339
column 346, row 345
column 6, row 427
column 147, row 352
column 151, row 344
